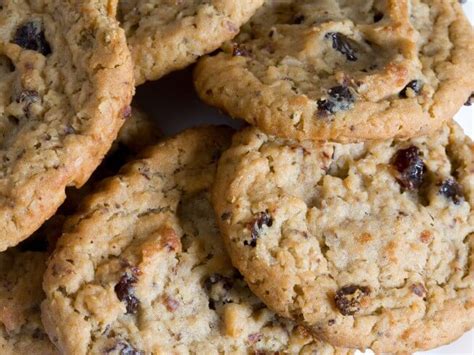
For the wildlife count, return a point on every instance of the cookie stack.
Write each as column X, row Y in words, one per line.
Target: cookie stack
column 342, row 218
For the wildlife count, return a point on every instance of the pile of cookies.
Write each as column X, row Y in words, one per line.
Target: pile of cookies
column 340, row 218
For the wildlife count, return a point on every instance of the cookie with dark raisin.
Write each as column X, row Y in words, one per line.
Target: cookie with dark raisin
column 344, row 71
column 66, row 80
column 369, row 245
column 142, row 268
column 165, row 35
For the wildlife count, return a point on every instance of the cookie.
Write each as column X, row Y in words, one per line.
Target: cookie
column 166, row 35
column 344, row 71
column 66, row 83
column 21, row 331
column 370, row 245
column 142, row 268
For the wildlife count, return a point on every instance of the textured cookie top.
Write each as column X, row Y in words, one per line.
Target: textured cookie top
column 344, row 70
column 166, row 35
column 142, row 269
column 65, row 82
column 21, row 331
column 368, row 244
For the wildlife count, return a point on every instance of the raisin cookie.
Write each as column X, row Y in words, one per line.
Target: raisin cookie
column 344, row 70
column 368, row 244
column 166, row 35
column 21, row 331
column 142, row 268
column 66, row 80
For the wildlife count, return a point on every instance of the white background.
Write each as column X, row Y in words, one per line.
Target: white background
column 174, row 104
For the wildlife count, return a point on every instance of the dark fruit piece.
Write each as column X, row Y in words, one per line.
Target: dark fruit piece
column 452, row 190
column 218, row 287
column 348, row 299
column 342, row 44
column 124, row 348
column 415, row 85
column 262, row 219
column 297, row 20
column 239, row 51
column 31, row 36
column 340, row 99
column 378, row 16
column 469, row 100
column 418, row 289
column 125, row 291
column 410, row 166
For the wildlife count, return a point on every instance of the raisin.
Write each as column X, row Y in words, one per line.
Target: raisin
column 348, row 299
column 298, row 20
column 218, row 287
column 418, row 289
column 340, row 99
column 123, row 348
column 450, row 189
column 239, row 51
column 378, row 16
column 415, row 85
column 342, row 44
column 255, row 338
column 31, row 36
column 410, row 166
column 125, row 291
column 262, row 219
column 469, row 100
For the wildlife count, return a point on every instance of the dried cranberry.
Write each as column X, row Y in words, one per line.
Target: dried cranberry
column 410, row 166
column 449, row 188
column 418, row 289
column 415, row 85
column 31, row 36
column 125, row 291
column 340, row 99
column 348, row 298
column 262, row 219
column 342, row 44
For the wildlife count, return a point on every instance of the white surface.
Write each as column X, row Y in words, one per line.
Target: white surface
column 174, row 103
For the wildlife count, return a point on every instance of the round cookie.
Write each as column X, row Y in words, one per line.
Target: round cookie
column 142, row 268
column 166, row 35
column 21, row 331
column 370, row 245
column 345, row 71
column 66, row 81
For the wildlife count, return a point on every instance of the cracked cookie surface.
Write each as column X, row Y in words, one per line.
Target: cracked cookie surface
column 66, row 79
column 368, row 244
column 144, row 258
column 166, row 35
column 345, row 71
column 21, row 331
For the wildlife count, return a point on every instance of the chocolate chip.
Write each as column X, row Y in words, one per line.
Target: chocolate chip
column 299, row 19
column 410, row 167
column 340, row 99
column 469, row 100
column 450, row 189
column 262, row 219
column 239, row 51
column 31, row 36
column 378, row 16
column 415, row 85
column 124, row 290
column 418, row 289
column 348, row 298
column 342, row 44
